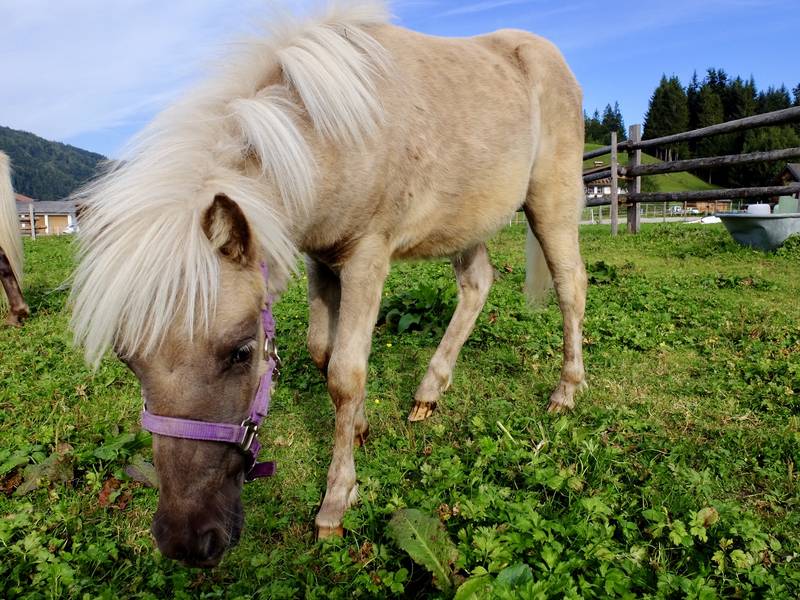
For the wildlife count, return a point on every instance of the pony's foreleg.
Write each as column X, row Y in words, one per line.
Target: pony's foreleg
column 362, row 279
column 18, row 309
column 324, row 297
column 553, row 216
column 324, row 294
column 475, row 276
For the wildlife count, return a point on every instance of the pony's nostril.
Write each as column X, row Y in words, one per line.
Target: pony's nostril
column 210, row 544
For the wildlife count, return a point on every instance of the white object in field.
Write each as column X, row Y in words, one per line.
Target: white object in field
column 758, row 209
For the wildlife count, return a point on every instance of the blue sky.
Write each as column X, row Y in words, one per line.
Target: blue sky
column 90, row 75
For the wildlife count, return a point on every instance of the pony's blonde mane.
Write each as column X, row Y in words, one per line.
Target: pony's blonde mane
column 145, row 262
column 10, row 240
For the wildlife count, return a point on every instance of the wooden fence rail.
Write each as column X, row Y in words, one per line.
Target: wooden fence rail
column 635, row 169
column 778, row 117
column 711, row 161
column 720, row 194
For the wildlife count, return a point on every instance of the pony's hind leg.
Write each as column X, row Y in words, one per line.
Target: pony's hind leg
column 475, row 276
column 18, row 308
column 362, row 279
column 553, row 209
column 324, row 296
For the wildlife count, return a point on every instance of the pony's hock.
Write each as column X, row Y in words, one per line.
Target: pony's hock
column 339, row 140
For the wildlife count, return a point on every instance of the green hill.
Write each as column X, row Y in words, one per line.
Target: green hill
column 46, row 170
column 667, row 182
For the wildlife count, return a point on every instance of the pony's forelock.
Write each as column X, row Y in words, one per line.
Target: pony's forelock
column 145, row 262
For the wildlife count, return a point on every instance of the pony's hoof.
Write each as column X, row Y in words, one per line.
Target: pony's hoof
column 563, row 398
column 556, row 407
column 327, row 532
column 421, row 411
column 12, row 321
column 17, row 317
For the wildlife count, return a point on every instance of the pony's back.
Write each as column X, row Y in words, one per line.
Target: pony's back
column 10, row 240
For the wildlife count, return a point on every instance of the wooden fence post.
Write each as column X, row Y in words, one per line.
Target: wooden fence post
column 635, row 184
column 33, row 221
column 614, row 184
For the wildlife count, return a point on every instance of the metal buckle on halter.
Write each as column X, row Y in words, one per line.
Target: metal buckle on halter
column 250, row 434
column 271, row 351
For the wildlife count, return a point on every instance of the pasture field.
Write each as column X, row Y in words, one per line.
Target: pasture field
column 675, row 477
column 666, row 182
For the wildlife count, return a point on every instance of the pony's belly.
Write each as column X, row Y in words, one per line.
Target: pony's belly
column 451, row 237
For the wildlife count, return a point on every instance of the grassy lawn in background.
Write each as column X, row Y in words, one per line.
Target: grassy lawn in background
column 666, row 182
column 675, row 477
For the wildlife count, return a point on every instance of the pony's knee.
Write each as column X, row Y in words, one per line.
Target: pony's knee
column 346, row 381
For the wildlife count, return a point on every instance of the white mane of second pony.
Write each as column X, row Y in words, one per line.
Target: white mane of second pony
column 144, row 258
column 10, row 240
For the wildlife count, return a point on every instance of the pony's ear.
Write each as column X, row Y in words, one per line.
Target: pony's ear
column 226, row 227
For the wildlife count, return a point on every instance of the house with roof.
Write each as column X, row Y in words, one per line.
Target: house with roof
column 600, row 188
column 43, row 217
column 22, row 198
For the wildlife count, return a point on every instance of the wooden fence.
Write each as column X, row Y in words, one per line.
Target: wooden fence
column 634, row 170
column 31, row 226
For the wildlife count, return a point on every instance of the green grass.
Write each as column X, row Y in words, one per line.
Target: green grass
column 676, row 476
column 666, row 182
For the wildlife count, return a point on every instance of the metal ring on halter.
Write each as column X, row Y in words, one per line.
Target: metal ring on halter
column 250, row 434
column 271, row 351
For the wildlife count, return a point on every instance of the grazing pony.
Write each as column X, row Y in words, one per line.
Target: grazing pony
column 10, row 249
column 356, row 143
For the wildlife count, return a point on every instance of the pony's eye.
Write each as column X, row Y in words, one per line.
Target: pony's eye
column 242, row 354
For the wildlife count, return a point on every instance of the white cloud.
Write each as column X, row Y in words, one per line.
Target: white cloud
column 81, row 66
column 476, row 7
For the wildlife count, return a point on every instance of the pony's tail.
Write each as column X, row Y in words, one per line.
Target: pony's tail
column 10, row 239
column 538, row 280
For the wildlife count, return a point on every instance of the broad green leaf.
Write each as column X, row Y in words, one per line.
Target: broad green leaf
column 111, row 450
column 392, row 316
column 56, row 468
column 654, row 515
column 678, row 534
column 426, row 541
column 406, row 321
column 15, row 460
column 142, row 471
column 550, row 555
column 474, row 588
column 741, row 560
column 515, row 576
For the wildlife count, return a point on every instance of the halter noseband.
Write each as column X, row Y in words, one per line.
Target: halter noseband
column 245, row 435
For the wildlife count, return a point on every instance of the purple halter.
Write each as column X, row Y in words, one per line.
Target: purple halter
column 245, row 435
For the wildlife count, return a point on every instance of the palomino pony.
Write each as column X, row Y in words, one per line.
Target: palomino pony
column 10, row 249
column 356, row 143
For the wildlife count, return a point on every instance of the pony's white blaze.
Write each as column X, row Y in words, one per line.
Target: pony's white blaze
column 10, row 240
column 145, row 261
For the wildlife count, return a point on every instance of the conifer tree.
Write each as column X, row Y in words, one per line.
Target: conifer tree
column 612, row 121
column 668, row 113
column 710, row 112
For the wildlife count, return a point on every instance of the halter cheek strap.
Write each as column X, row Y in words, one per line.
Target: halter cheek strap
column 245, row 435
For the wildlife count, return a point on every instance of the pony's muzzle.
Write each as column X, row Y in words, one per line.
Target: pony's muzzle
column 202, row 546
